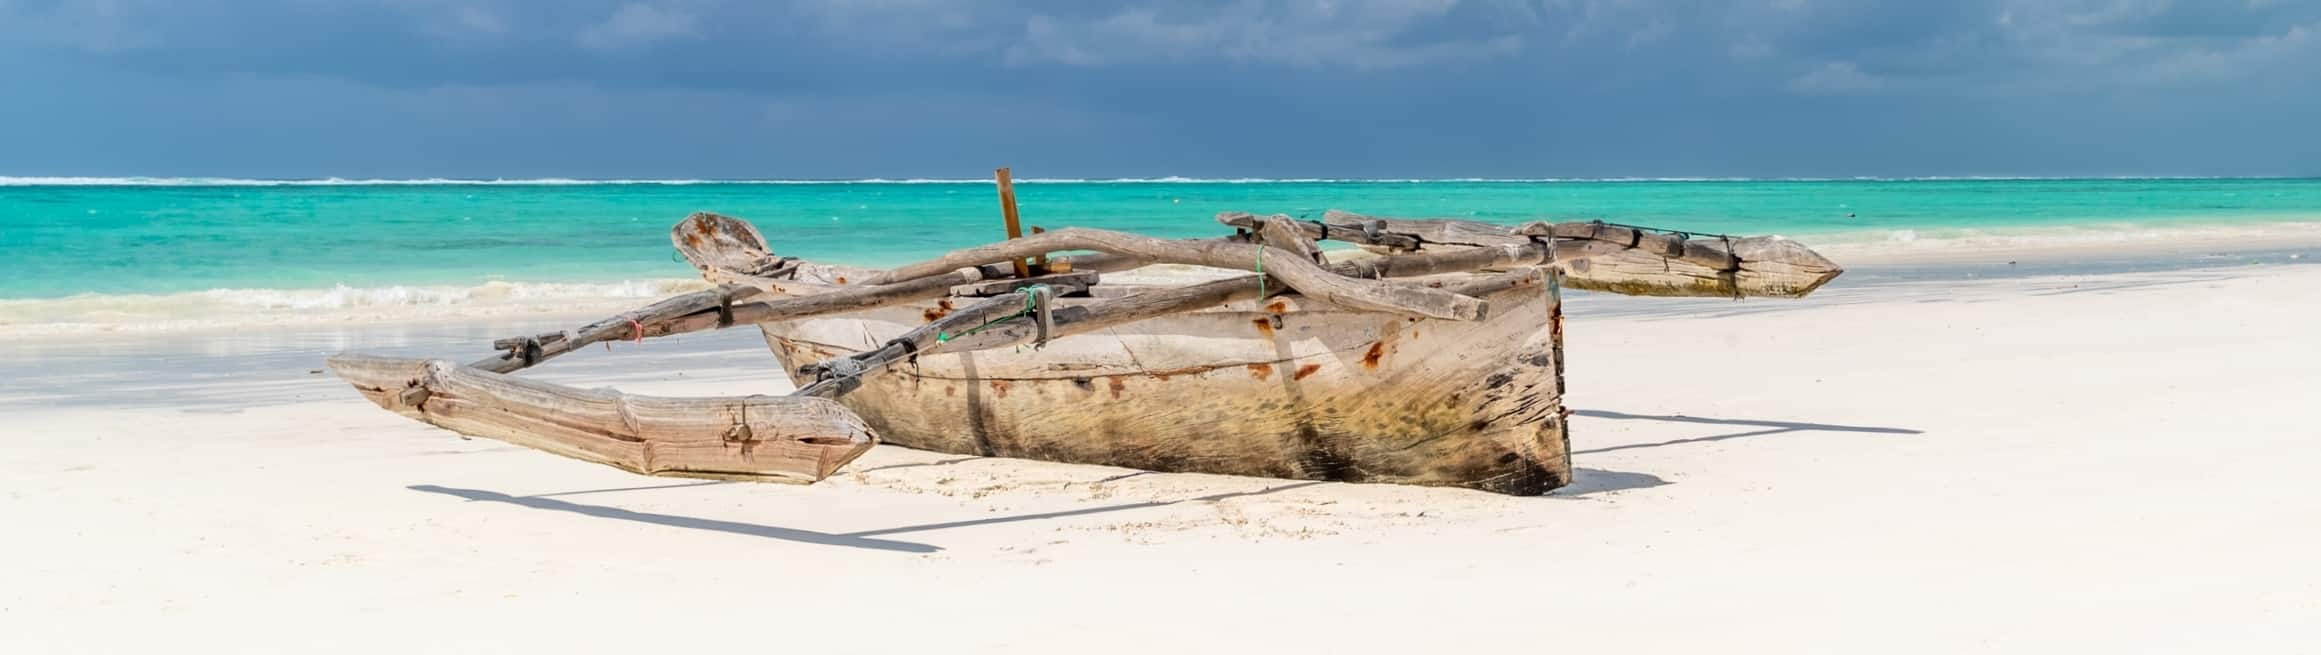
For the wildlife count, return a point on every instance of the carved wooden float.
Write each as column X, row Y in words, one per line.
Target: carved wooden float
column 1437, row 362
column 769, row 438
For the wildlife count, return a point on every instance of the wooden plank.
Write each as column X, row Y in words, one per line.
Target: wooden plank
column 1640, row 264
column 1077, row 281
column 1014, row 224
column 1163, row 302
column 1325, row 231
column 1428, row 231
column 1282, row 232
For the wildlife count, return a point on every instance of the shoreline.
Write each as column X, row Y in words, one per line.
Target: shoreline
column 35, row 181
column 290, row 352
column 2090, row 243
column 541, row 302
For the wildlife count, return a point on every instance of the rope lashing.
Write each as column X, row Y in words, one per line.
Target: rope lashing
column 1635, row 234
column 1731, row 277
column 841, row 368
column 781, row 266
column 1683, row 233
column 1042, row 298
column 1035, row 304
column 1260, row 271
column 529, row 351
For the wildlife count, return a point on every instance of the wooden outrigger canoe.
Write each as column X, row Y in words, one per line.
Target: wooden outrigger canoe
column 1437, row 361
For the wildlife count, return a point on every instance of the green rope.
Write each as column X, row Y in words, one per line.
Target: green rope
column 1030, row 304
column 1260, row 271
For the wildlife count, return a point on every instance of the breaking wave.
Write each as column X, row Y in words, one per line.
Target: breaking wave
column 2084, row 241
column 58, row 181
column 230, row 308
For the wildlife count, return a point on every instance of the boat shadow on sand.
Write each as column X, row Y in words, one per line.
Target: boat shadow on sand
column 1585, row 482
column 1589, row 481
column 861, row 539
column 1767, row 428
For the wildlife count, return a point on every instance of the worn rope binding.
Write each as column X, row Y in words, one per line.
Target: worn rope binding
column 1261, row 271
column 1683, row 233
column 839, row 368
column 1040, row 300
column 783, row 266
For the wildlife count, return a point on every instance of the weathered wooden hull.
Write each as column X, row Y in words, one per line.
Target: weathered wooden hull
column 1291, row 389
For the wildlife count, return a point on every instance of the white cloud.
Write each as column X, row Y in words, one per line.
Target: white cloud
column 100, row 26
column 637, row 25
column 2296, row 46
column 477, row 19
column 942, row 27
column 1356, row 34
column 1834, row 77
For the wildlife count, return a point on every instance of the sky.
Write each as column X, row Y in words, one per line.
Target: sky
column 836, row 89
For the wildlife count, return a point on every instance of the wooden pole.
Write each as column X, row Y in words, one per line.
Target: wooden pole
column 1014, row 223
column 1079, row 319
column 1296, row 270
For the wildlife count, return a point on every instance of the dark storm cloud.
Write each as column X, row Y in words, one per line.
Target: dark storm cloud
column 1397, row 88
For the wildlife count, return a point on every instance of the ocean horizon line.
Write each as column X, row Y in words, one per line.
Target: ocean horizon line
column 199, row 182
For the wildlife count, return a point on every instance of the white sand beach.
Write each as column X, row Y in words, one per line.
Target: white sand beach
column 2050, row 463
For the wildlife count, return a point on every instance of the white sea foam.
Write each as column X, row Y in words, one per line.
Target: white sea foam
column 2084, row 241
column 230, row 308
column 332, row 181
column 27, row 181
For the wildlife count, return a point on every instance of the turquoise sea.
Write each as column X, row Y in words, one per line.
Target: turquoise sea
column 67, row 237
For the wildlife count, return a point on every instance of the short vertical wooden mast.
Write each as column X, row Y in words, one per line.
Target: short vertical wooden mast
column 1014, row 224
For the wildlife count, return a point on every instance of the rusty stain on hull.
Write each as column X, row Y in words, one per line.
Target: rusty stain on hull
column 1305, row 370
column 941, row 309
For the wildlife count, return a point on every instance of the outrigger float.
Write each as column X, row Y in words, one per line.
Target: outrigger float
column 1436, row 359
